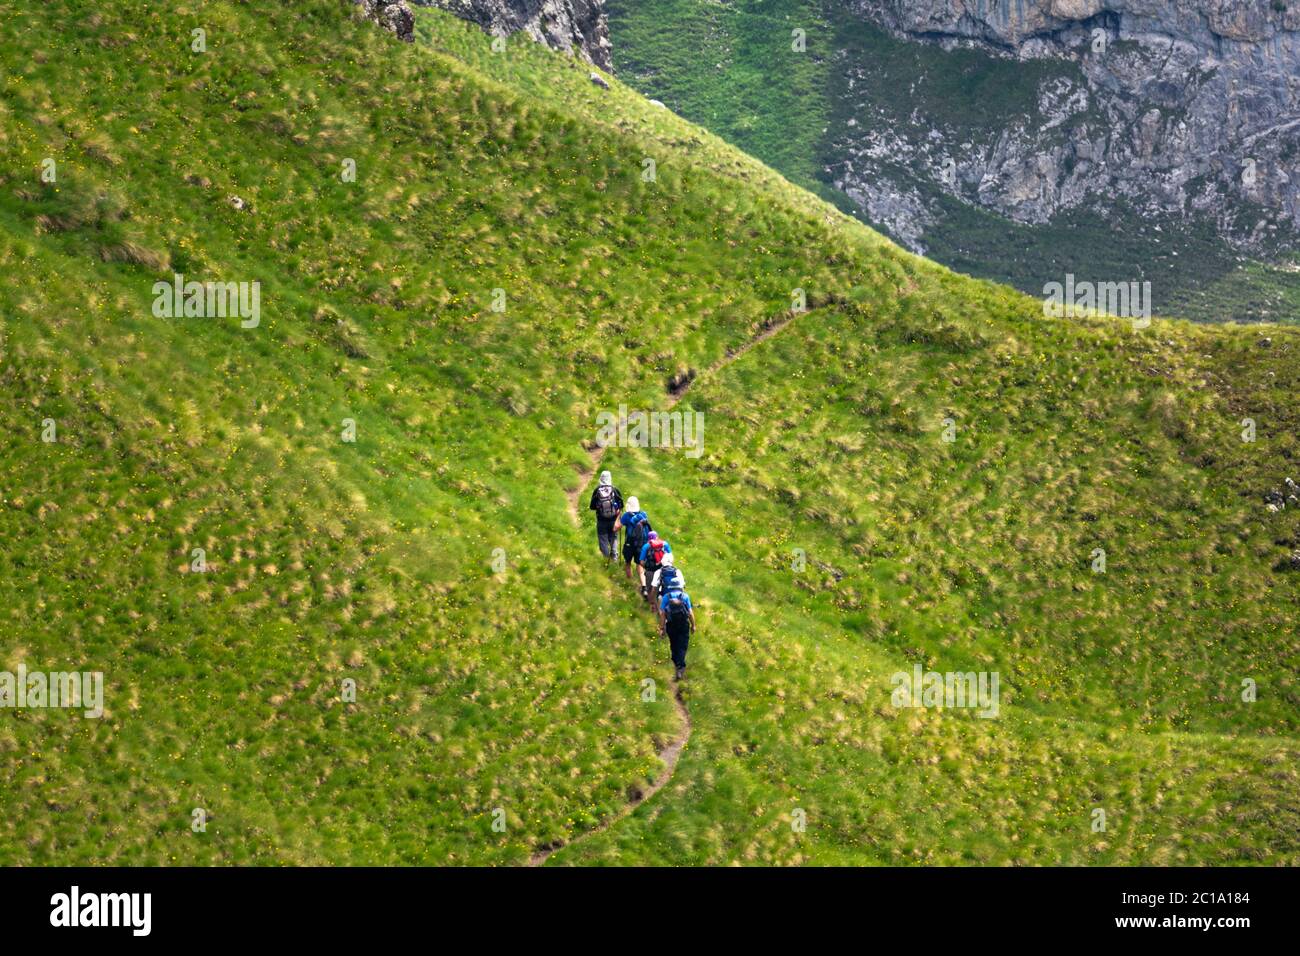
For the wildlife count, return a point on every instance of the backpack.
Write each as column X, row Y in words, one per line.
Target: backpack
column 638, row 533
column 606, row 502
column 677, row 610
column 669, row 582
column 656, row 555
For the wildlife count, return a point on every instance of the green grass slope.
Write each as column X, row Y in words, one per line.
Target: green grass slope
column 516, row 696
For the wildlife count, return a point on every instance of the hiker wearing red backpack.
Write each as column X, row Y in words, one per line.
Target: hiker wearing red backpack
column 652, row 555
column 608, row 505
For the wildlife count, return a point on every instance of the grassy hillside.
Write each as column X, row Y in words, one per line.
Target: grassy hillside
column 730, row 68
column 521, row 690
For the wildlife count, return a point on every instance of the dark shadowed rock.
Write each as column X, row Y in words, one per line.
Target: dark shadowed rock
column 578, row 26
column 393, row 15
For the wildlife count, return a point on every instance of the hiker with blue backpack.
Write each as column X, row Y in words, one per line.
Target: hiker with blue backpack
column 634, row 526
column 667, row 579
column 676, row 615
column 651, row 557
column 608, row 505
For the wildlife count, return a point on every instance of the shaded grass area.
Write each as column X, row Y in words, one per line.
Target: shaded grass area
column 734, row 69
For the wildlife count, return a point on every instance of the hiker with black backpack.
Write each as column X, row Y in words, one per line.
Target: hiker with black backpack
column 679, row 624
column 608, row 505
column 634, row 525
column 652, row 554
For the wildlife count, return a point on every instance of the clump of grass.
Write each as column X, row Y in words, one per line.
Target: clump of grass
column 136, row 254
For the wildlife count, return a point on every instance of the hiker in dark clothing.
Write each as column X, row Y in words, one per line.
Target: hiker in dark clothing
column 635, row 527
column 679, row 624
column 608, row 505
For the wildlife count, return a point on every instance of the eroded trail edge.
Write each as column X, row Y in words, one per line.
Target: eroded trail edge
column 673, row 751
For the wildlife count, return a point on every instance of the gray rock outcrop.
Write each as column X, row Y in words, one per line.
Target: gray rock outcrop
column 393, row 15
column 1188, row 108
column 578, row 26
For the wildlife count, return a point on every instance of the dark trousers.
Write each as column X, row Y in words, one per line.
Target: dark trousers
column 679, row 638
column 650, row 569
column 607, row 537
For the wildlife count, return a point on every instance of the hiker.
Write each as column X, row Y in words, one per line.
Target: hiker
column 667, row 580
column 679, row 624
column 607, row 502
column 651, row 556
column 634, row 526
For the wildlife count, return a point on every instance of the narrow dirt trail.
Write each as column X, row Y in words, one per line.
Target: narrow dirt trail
column 670, row 754
column 675, row 392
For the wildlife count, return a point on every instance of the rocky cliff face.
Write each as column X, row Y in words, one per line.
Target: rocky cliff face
column 1188, row 108
column 576, row 25
column 393, row 15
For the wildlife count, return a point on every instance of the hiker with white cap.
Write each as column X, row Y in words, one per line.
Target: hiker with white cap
column 607, row 502
column 665, row 581
column 635, row 528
